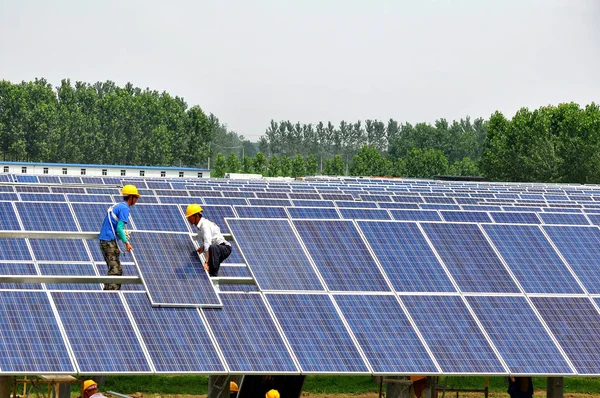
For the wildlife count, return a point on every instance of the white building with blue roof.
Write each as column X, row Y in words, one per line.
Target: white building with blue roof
column 100, row 170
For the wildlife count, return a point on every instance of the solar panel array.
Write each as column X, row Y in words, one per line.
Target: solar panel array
column 353, row 276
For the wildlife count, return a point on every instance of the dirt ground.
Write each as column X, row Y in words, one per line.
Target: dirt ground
column 538, row 394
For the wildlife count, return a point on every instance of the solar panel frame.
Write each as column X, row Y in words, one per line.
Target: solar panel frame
column 106, row 343
column 456, row 341
column 564, row 218
column 312, row 212
column 330, row 244
column 521, row 339
column 177, row 339
column 406, row 257
column 8, row 217
column 465, row 216
column 364, row 214
column 16, row 268
column 159, row 217
column 41, row 216
column 317, row 334
column 469, row 258
column 287, row 266
column 385, row 334
column 172, row 272
column 532, row 259
column 69, row 269
column 30, row 347
column 515, row 217
column 248, row 337
column 261, row 211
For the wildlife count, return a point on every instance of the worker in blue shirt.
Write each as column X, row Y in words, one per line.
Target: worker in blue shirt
column 113, row 228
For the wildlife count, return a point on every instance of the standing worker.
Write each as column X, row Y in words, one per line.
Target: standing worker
column 90, row 389
column 214, row 246
column 112, row 229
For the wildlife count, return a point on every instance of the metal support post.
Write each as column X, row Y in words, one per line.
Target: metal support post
column 5, row 386
column 555, row 387
column 218, row 386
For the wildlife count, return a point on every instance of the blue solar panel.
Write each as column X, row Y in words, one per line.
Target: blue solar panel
column 564, row 218
column 172, row 192
column 100, row 332
column 26, row 179
column 576, row 325
column 18, row 269
column 31, row 188
column 158, row 185
column 30, row 336
column 407, row 199
column 225, row 201
column 482, row 207
column 405, row 256
column 439, row 199
column 70, row 180
column 43, row 197
column 312, row 212
column 159, row 218
column 272, row 195
column 59, row 250
column 74, row 190
column 518, row 335
column 532, row 259
column 49, row 179
column 8, row 217
column 12, row 197
column 260, row 212
column 247, row 335
column 337, row 196
column 42, row 216
column 270, row 202
column 229, row 270
column 438, row 206
column 376, row 198
column 580, row 246
column 365, row 214
column 90, row 215
column 452, row 334
column 470, row 258
column 90, row 198
column 465, row 216
column 176, row 338
column 92, row 180
column 171, row 270
column 356, row 204
column 142, row 199
column 14, row 249
column 557, row 209
column 316, row 333
column 399, row 205
column 274, row 254
column 314, row 196
column 84, row 269
column 416, row 215
column 338, row 251
column 6, row 178
column 180, row 200
column 385, row 334
column 515, row 218
column 313, row 203
column 103, row 191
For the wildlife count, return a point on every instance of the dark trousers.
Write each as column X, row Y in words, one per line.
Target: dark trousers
column 111, row 253
column 216, row 255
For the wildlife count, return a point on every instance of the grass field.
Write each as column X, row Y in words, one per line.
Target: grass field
column 197, row 385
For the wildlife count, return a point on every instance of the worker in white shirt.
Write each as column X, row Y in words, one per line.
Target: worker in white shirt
column 214, row 246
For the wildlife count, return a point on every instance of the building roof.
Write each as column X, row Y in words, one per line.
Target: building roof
column 103, row 166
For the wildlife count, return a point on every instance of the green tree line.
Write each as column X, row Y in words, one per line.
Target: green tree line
column 108, row 124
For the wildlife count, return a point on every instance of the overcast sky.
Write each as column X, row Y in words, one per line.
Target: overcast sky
column 250, row 61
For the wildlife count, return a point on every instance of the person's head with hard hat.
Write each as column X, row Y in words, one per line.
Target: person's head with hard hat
column 214, row 246
column 233, row 389
column 113, row 228
column 90, row 389
column 272, row 394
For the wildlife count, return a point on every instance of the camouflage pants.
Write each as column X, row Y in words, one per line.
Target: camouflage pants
column 111, row 252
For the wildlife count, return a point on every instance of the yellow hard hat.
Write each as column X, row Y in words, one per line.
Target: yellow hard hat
column 233, row 387
column 129, row 190
column 272, row 394
column 193, row 209
column 89, row 383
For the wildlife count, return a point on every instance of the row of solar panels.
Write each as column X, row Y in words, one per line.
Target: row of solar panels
column 272, row 333
column 361, row 256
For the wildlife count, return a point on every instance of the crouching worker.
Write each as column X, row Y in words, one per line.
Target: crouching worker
column 214, row 246
column 90, row 389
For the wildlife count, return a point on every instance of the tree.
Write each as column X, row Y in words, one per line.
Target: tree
column 285, row 166
column 369, row 162
column 298, row 168
column 260, row 163
column 233, row 163
column 426, row 163
column 220, row 167
column 274, row 166
column 247, row 164
column 335, row 166
column 464, row 167
column 312, row 165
